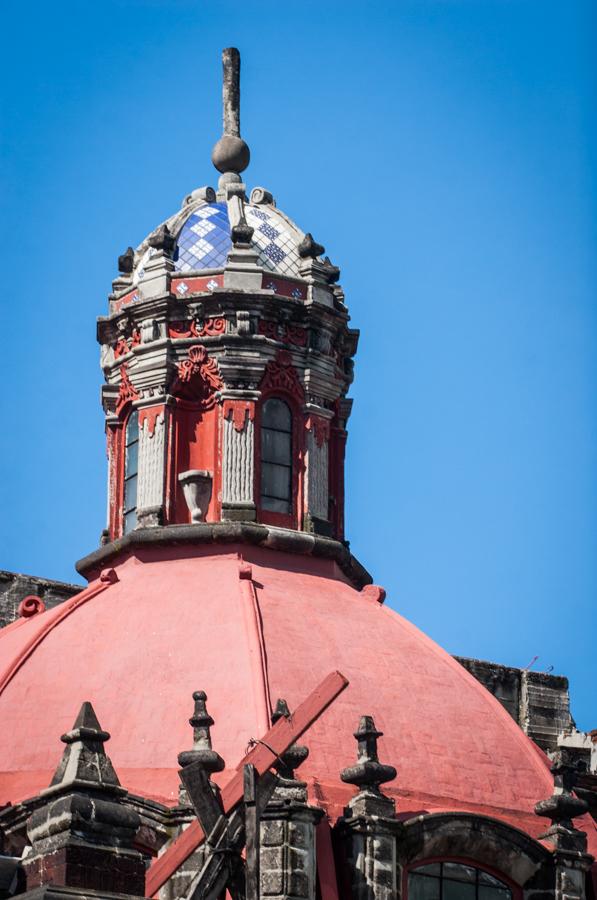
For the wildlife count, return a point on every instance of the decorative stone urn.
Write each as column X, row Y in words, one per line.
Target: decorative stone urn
column 196, row 484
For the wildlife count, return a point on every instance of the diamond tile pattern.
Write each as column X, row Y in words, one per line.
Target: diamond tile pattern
column 204, row 241
column 274, row 240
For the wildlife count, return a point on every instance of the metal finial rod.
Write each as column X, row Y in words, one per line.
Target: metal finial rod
column 231, row 91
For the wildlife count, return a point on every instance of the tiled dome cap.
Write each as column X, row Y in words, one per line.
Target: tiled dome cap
column 201, row 234
column 203, row 237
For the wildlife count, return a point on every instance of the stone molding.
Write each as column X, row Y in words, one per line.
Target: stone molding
column 317, row 476
column 286, row 540
column 238, row 463
column 151, row 462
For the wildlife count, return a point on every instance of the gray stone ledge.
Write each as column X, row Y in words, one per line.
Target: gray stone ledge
column 284, row 540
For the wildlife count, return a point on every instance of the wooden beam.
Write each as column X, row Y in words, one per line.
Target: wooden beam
column 326, row 867
column 277, row 740
column 251, row 834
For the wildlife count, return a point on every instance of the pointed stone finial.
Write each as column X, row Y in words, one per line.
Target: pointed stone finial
column 231, row 154
column 82, row 831
column 162, row 239
column 126, row 261
column 562, row 807
column 296, row 753
column 368, row 774
column 202, row 751
column 84, row 761
column 309, row 247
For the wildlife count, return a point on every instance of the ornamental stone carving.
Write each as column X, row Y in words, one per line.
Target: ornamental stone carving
column 151, row 461
column 238, row 466
column 198, row 377
column 317, row 477
column 126, row 392
column 280, row 375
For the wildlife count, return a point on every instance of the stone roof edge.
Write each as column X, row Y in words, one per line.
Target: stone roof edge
column 283, row 539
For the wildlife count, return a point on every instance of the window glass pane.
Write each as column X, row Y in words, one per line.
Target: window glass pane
column 130, row 520
column 130, row 493
column 423, row 887
column 458, row 890
column 132, row 427
column 275, row 447
column 275, row 481
column 276, row 414
column 132, row 453
column 486, row 878
column 460, row 872
column 431, row 869
column 274, row 505
column 493, row 893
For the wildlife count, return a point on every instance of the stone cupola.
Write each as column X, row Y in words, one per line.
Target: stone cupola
column 227, row 356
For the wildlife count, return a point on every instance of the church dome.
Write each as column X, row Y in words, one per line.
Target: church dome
column 202, row 230
column 250, row 625
column 223, row 570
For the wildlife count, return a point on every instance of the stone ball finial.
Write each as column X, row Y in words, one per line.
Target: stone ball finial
column 231, row 154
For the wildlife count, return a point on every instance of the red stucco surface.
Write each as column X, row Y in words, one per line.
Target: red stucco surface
column 179, row 620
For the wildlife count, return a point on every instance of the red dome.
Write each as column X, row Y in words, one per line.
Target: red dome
column 182, row 619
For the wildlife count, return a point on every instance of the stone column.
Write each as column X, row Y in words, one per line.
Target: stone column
column 152, row 456
column 571, row 860
column 369, row 827
column 317, row 475
column 287, row 832
column 238, row 460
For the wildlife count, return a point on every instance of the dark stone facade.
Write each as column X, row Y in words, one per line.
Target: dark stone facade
column 538, row 701
column 14, row 587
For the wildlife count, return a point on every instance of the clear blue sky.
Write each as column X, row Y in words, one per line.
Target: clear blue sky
column 444, row 152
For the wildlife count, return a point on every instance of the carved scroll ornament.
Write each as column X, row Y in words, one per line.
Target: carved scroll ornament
column 198, row 377
column 280, row 375
column 126, row 392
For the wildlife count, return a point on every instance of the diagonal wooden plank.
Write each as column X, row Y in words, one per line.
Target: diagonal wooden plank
column 205, row 803
column 326, row 867
column 251, row 834
column 277, row 740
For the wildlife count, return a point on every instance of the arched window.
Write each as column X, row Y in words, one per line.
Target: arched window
column 454, row 881
column 131, row 464
column 276, row 457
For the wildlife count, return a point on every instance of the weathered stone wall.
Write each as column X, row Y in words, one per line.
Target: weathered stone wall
column 15, row 587
column 539, row 702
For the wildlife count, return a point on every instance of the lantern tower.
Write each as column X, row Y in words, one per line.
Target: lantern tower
column 227, row 356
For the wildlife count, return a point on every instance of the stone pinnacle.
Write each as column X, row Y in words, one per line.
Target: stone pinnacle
column 231, row 154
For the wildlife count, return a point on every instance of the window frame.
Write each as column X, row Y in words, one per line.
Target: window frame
column 515, row 889
column 269, row 517
column 127, row 476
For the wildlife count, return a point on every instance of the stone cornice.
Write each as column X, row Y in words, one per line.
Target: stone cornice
column 283, row 539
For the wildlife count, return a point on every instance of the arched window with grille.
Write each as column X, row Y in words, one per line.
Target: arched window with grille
column 449, row 880
column 276, row 457
column 131, row 466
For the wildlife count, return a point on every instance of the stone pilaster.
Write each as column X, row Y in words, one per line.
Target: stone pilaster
column 317, row 473
column 369, row 827
column 571, row 860
column 152, row 457
column 238, row 460
column 287, row 831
